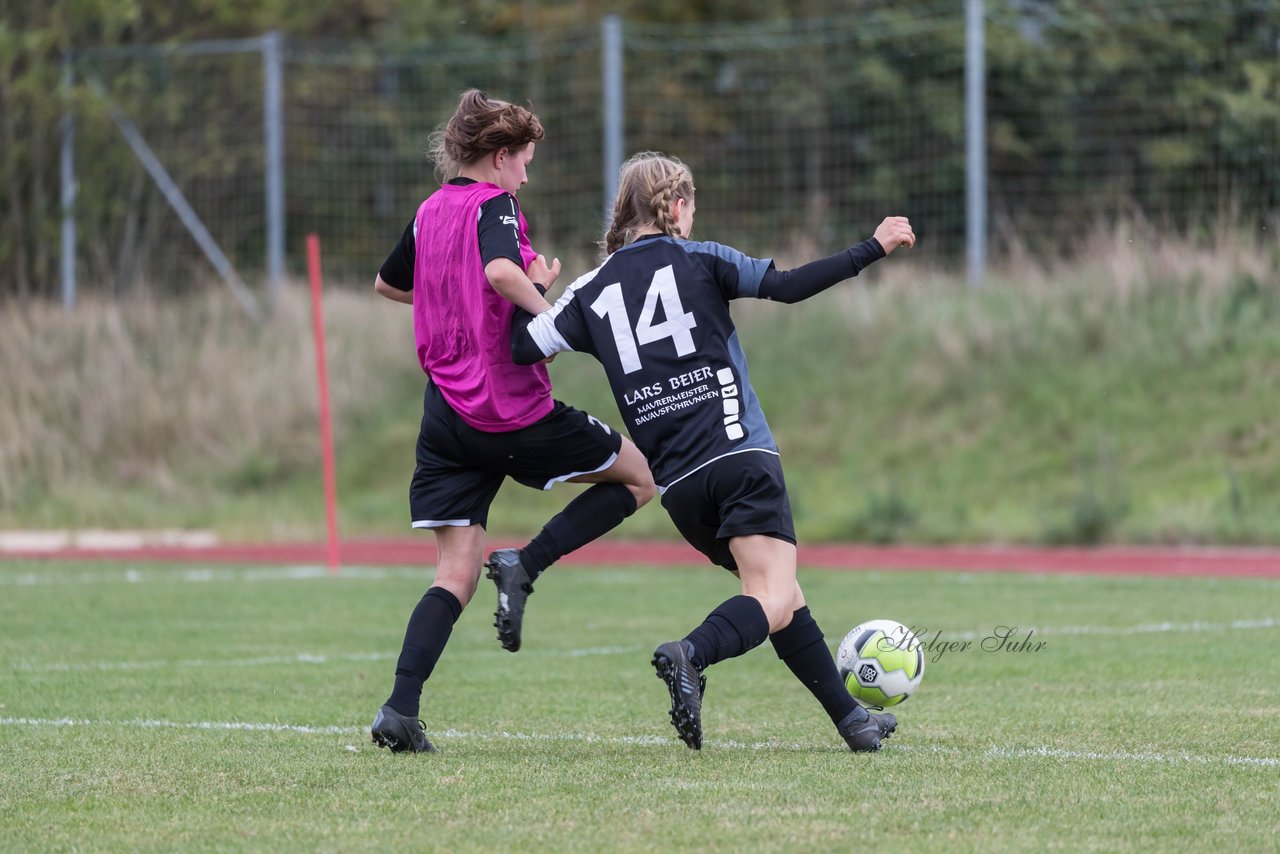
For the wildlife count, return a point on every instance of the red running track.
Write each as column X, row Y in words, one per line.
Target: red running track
column 1224, row 562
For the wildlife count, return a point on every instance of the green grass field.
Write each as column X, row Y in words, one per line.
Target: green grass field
column 176, row 708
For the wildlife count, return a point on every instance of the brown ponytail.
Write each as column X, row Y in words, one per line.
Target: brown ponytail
column 479, row 126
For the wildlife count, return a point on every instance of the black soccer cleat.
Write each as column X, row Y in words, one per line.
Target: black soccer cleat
column 686, row 685
column 399, row 733
column 863, row 731
column 514, row 586
column 888, row 723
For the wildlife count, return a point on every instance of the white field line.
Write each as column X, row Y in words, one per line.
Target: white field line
column 319, row 659
column 1096, row 755
column 1021, row 632
column 299, row 658
column 313, row 572
column 204, row 575
column 653, row 740
column 202, row 663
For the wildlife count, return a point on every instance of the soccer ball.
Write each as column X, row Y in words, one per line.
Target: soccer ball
column 881, row 663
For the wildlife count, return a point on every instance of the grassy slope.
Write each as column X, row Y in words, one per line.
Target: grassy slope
column 1064, row 409
column 1066, row 419
column 1106, row 739
column 1131, row 398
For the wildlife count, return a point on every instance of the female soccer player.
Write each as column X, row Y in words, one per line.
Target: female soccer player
column 464, row 263
column 656, row 315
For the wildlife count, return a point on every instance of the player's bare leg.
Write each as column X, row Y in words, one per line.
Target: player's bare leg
column 460, row 551
column 767, row 570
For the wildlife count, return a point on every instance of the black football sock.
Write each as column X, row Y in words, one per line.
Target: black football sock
column 429, row 628
column 802, row 648
column 736, row 626
column 591, row 515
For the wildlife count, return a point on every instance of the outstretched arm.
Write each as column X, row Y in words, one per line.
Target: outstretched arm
column 791, row 286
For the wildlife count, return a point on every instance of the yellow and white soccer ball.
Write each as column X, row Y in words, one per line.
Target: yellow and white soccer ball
column 881, row 663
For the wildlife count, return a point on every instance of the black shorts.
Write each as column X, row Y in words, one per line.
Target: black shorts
column 734, row 496
column 460, row 468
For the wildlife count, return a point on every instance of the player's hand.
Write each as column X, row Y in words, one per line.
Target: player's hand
column 542, row 274
column 895, row 231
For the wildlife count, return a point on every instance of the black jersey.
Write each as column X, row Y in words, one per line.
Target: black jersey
column 656, row 316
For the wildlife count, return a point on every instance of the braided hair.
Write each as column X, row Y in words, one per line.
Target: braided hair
column 648, row 185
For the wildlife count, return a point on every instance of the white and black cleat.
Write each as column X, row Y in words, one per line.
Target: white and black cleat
column 512, row 580
column 686, row 685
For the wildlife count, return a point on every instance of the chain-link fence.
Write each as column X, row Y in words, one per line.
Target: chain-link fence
column 200, row 112
column 801, row 134
column 357, row 126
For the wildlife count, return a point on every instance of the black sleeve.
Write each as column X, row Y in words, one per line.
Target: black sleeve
column 791, row 286
column 397, row 270
column 500, row 230
column 524, row 350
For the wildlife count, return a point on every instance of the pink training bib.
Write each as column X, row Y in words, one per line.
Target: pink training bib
column 462, row 325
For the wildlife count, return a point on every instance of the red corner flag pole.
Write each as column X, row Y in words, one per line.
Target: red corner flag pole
column 322, row 379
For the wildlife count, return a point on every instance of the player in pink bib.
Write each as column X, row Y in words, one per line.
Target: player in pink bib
column 471, row 364
column 464, row 263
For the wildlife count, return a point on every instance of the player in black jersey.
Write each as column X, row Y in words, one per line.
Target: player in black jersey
column 656, row 316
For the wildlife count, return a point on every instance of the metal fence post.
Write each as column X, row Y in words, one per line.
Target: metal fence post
column 975, row 142
column 611, row 61
column 68, row 191
column 273, row 129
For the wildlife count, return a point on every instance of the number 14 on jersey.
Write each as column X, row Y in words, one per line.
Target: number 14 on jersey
column 676, row 327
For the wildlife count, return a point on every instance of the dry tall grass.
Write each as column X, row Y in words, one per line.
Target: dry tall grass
column 167, row 398
column 146, row 392
column 1115, row 271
